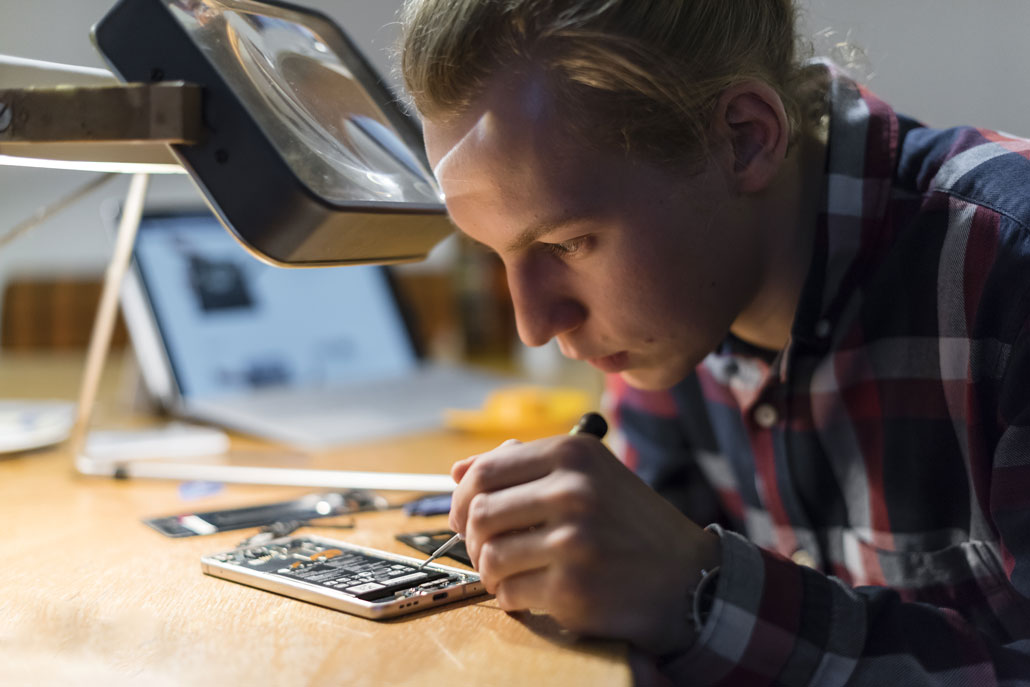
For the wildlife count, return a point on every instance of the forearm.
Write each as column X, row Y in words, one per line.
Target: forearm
column 774, row 622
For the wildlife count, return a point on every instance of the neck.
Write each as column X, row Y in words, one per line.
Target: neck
column 792, row 203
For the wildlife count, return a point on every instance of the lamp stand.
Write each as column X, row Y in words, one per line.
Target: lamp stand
column 107, row 311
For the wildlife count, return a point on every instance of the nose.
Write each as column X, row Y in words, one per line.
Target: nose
column 544, row 306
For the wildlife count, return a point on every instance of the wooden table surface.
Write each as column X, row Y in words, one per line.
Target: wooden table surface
column 90, row 595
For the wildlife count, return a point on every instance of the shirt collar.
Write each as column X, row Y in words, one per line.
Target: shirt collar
column 853, row 229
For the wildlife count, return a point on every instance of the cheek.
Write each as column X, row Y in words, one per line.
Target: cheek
column 669, row 298
column 651, row 282
column 642, row 305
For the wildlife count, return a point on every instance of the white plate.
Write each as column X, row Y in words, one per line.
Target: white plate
column 30, row 424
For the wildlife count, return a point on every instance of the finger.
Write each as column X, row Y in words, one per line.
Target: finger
column 493, row 514
column 523, row 591
column 512, row 554
column 460, row 467
column 458, row 472
column 506, row 466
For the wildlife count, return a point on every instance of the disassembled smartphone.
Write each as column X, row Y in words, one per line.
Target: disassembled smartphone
column 354, row 579
column 306, row 508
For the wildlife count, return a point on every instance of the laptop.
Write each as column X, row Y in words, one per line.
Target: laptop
column 313, row 358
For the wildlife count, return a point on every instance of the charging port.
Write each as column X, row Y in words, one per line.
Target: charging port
column 441, row 595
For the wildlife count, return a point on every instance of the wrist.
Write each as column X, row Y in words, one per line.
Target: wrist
column 702, row 593
column 702, row 599
column 698, row 594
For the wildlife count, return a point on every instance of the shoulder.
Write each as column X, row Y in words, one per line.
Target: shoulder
column 984, row 168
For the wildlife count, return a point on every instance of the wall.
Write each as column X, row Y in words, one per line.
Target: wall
column 946, row 61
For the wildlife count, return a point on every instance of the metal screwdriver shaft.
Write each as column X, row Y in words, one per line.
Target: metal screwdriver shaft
column 591, row 423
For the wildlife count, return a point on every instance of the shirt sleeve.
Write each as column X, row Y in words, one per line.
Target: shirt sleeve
column 773, row 622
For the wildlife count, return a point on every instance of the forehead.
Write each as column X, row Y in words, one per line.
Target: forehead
column 504, row 120
column 510, row 162
column 495, row 149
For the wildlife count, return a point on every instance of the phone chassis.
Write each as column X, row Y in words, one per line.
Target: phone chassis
column 355, row 579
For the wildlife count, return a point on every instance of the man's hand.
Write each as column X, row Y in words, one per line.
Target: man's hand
column 562, row 526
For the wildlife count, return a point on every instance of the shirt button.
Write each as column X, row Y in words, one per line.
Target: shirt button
column 802, row 557
column 766, row 416
column 823, row 328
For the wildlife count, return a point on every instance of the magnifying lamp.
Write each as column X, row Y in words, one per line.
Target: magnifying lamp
column 299, row 148
column 303, row 151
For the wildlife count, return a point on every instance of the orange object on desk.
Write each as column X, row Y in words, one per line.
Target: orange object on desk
column 514, row 410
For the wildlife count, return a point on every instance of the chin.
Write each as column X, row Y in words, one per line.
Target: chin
column 653, row 379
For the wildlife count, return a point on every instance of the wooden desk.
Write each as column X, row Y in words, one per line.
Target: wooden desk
column 90, row 595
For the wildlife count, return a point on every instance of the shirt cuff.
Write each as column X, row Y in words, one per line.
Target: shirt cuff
column 754, row 634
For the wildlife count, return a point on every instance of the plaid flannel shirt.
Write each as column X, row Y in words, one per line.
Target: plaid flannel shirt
column 878, row 468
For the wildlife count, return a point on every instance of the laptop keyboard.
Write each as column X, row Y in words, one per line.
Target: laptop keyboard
column 322, row 417
column 392, row 396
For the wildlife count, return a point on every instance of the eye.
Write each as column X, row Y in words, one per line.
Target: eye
column 567, row 248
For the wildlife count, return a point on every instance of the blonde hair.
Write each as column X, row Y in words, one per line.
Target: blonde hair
column 641, row 75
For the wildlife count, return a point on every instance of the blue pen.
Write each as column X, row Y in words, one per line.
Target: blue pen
column 590, row 423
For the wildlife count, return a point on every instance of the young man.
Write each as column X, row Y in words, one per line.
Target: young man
column 816, row 311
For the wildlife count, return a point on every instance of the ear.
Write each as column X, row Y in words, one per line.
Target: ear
column 751, row 118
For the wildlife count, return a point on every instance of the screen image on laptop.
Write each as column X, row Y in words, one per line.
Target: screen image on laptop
column 231, row 323
column 310, row 357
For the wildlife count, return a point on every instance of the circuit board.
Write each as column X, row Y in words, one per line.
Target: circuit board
column 367, row 582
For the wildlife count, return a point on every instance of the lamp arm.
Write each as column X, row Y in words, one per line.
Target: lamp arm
column 165, row 112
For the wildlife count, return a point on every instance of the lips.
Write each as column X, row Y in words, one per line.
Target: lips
column 617, row 362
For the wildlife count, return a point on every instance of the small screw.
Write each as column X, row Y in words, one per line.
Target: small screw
column 6, row 116
column 221, row 156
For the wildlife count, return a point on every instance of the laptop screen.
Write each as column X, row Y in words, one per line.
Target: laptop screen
column 231, row 324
